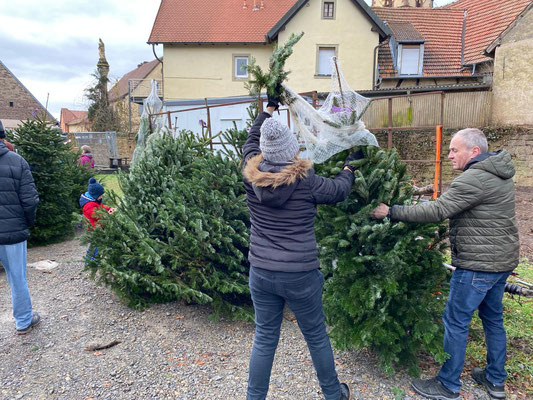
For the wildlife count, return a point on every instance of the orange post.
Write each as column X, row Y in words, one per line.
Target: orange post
column 436, row 184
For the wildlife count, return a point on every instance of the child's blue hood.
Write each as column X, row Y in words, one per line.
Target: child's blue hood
column 86, row 198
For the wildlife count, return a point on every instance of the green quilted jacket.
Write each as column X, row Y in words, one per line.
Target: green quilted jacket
column 481, row 209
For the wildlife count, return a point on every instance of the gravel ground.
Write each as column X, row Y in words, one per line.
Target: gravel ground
column 170, row 351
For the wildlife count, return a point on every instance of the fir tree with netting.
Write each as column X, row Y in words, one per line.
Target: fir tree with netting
column 180, row 231
column 383, row 278
column 58, row 178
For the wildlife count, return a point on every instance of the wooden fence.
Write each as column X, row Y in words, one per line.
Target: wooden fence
column 452, row 110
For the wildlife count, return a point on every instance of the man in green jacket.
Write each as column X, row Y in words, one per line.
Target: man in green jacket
column 484, row 245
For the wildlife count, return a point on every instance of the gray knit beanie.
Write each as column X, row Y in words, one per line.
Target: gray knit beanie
column 277, row 142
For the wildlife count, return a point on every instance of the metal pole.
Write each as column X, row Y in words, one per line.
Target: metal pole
column 209, row 125
column 442, row 98
column 438, row 178
column 169, row 121
column 389, row 134
column 129, row 104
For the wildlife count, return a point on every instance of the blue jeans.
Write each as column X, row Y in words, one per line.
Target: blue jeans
column 303, row 293
column 471, row 290
column 13, row 258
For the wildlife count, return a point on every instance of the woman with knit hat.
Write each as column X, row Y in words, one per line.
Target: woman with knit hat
column 282, row 194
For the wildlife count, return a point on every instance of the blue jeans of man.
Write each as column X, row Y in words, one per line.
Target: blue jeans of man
column 302, row 291
column 471, row 290
column 13, row 258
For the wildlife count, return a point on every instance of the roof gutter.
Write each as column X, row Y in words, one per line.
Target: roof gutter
column 395, row 91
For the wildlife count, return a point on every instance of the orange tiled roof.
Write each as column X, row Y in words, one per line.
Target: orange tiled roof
column 219, row 21
column 441, row 29
column 405, row 31
column 68, row 116
column 120, row 89
column 485, row 21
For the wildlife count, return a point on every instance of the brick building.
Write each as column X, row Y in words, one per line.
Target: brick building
column 16, row 102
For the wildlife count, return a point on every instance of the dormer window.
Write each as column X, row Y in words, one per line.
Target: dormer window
column 328, row 9
column 410, row 59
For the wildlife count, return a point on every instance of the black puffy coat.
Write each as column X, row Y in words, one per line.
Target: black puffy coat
column 282, row 199
column 18, row 197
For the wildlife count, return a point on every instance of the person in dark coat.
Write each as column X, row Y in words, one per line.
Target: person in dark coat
column 3, row 138
column 282, row 193
column 485, row 248
column 18, row 206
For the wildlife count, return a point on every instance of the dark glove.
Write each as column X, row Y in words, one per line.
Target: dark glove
column 274, row 100
column 356, row 155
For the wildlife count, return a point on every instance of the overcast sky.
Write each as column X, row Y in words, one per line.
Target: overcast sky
column 51, row 46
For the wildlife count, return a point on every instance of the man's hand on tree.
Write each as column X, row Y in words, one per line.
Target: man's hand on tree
column 380, row 212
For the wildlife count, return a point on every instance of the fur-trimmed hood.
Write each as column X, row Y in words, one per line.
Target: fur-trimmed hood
column 274, row 183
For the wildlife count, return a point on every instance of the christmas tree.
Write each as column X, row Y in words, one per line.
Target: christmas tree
column 271, row 81
column 58, row 177
column 383, row 278
column 181, row 229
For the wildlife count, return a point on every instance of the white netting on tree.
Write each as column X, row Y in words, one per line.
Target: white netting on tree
column 151, row 105
column 336, row 125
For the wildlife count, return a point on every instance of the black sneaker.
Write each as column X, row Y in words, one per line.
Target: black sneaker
column 495, row 391
column 36, row 319
column 433, row 389
column 345, row 392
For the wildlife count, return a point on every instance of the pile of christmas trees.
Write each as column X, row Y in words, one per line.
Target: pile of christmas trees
column 383, row 278
column 181, row 229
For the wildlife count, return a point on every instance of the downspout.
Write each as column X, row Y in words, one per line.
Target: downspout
column 374, row 69
column 162, row 76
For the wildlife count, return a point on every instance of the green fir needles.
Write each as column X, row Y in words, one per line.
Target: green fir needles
column 272, row 80
column 180, row 231
column 384, row 279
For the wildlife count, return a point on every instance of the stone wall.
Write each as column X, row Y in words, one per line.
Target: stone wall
column 125, row 148
column 420, row 145
column 16, row 102
column 512, row 87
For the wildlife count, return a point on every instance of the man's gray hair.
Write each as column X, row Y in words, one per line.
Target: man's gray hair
column 472, row 137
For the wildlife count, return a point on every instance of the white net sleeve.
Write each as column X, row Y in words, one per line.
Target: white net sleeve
column 336, row 125
column 151, row 105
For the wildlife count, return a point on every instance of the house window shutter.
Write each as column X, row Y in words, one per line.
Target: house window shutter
column 239, row 67
column 410, row 60
column 324, row 60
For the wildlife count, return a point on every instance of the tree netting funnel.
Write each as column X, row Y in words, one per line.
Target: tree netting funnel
column 151, row 105
column 336, row 125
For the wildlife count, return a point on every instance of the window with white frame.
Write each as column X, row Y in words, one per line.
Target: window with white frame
column 328, row 10
column 239, row 67
column 410, row 60
column 324, row 60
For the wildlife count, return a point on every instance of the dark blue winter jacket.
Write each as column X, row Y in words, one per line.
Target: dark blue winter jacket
column 18, row 197
column 282, row 199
